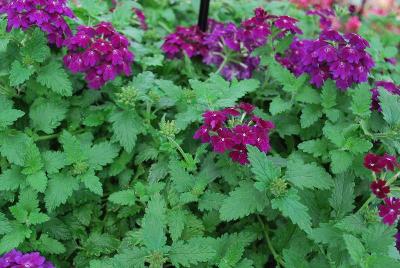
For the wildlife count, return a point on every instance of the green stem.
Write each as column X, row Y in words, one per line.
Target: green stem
column 47, row 137
column 184, row 155
column 271, row 248
column 55, row 135
column 222, row 65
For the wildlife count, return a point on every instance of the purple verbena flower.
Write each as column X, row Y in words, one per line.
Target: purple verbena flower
column 373, row 162
column 390, row 210
column 386, row 85
column 141, row 18
column 100, row 52
column 228, row 46
column 16, row 259
column 231, row 129
column 380, row 189
column 48, row 15
column 340, row 58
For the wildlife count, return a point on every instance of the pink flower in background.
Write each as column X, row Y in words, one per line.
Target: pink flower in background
column 353, row 24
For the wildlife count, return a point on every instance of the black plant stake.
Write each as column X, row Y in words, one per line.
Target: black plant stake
column 203, row 15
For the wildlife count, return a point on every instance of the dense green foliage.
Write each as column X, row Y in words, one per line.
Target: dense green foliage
column 114, row 178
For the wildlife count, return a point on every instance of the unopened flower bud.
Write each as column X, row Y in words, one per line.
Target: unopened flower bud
column 279, row 187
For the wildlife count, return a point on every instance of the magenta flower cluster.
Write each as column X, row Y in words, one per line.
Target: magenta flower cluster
column 231, row 129
column 377, row 163
column 100, row 52
column 326, row 16
column 17, row 259
column 48, row 15
column 388, row 86
column 141, row 18
column 389, row 211
column 185, row 40
column 341, row 58
column 227, row 45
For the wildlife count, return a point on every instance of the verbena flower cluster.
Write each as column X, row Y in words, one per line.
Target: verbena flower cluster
column 389, row 211
column 100, row 52
column 339, row 57
column 232, row 129
column 48, row 15
column 17, row 259
column 227, row 45
column 141, row 18
column 388, row 86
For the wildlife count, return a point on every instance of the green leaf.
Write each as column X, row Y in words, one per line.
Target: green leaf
column 35, row 47
column 308, row 175
column 11, row 179
column 47, row 114
column 54, row 161
column 36, row 217
column 355, row 248
column 236, row 91
column 130, row 258
column 328, row 94
column 33, row 159
column 390, row 107
column 102, row 154
column 54, row 77
column 19, row 213
column 317, row 147
column 310, row 114
column 19, row 73
column 378, row 238
column 98, row 243
column 262, row 167
column 176, row 223
column 60, row 188
column 8, row 115
column 379, row 261
column 5, row 226
column 38, row 181
column 14, row 239
column 334, row 133
column 191, row 253
column 126, row 126
column 361, row 100
column 289, row 82
column 342, row 197
column 278, row 106
column 341, row 161
column 242, row 201
column 92, row 182
column 307, row 94
column 124, row 197
column 13, row 147
column 358, row 145
column 291, row 207
column 74, row 150
column 153, row 224
column 48, row 245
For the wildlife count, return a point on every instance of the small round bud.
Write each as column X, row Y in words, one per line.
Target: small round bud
column 168, row 128
column 79, row 168
column 127, row 96
column 279, row 187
